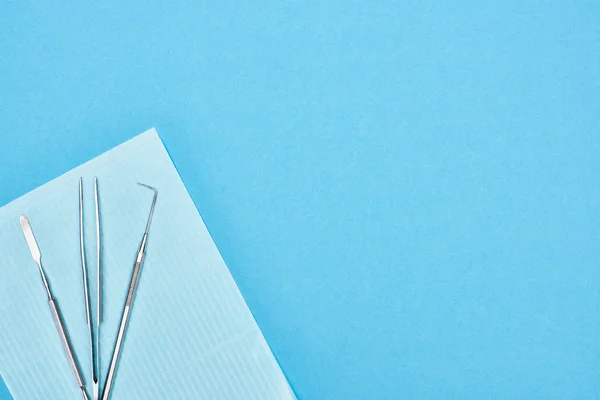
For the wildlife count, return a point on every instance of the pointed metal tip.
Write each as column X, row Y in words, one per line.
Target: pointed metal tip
column 153, row 204
column 98, row 252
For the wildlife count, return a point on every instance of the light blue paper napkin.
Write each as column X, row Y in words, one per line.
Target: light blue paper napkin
column 191, row 335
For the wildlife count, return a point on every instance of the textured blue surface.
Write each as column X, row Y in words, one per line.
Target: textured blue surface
column 406, row 194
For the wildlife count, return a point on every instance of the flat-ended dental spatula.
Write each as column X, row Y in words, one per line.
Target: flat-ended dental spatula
column 58, row 320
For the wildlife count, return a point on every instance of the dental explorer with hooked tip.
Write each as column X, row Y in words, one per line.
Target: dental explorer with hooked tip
column 129, row 301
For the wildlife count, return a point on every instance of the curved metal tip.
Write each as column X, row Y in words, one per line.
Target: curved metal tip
column 148, row 186
column 153, row 204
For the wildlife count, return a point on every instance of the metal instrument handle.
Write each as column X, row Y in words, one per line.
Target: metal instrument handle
column 134, row 281
column 135, row 276
column 64, row 338
column 116, row 354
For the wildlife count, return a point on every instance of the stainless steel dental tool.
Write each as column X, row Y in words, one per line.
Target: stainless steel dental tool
column 58, row 320
column 96, row 380
column 94, row 337
column 129, row 301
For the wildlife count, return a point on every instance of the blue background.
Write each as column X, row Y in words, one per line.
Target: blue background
column 406, row 194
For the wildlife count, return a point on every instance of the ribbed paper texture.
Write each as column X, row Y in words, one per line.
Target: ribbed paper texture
column 191, row 335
